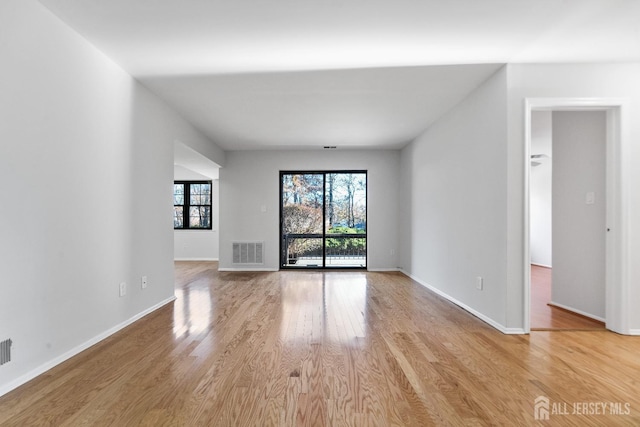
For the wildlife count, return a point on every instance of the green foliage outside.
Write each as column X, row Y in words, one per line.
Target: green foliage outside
column 348, row 245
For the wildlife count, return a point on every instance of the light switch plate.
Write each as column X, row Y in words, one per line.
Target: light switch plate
column 590, row 198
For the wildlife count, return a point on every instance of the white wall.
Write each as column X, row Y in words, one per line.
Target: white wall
column 575, row 81
column 540, row 189
column 250, row 180
column 457, row 222
column 192, row 245
column 86, row 174
column 579, row 161
column 453, row 202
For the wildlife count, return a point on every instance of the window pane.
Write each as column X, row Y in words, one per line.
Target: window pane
column 303, row 252
column 199, row 217
column 178, row 221
column 178, row 194
column 346, row 201
column 200, row 194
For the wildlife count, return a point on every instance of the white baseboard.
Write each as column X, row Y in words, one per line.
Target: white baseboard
column 195, row 259
column 248, row 269
column 511, row 331
column 541, row 265
column 382, row 270
column 80, row 348
column 580, row 312
column 634, row 331
column 488, row 320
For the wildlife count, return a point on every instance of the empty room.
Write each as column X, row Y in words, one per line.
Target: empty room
column 303, row 213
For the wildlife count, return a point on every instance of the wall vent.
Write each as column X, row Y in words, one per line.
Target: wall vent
column 248, row 253
column 5, row 351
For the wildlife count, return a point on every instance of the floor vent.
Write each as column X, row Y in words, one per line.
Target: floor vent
column 248, row 253
column 5, row 351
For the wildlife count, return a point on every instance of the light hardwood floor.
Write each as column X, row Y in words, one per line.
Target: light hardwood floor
column 334, row 349
column 548, row 317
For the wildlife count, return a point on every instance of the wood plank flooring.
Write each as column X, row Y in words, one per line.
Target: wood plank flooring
column 545, row 317
column 300, row 348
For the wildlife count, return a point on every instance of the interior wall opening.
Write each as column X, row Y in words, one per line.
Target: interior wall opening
column 568, row 219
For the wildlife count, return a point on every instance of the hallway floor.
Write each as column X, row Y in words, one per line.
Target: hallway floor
column 548, row 318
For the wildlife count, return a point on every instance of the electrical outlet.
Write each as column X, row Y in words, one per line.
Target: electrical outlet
column 479, row 283
column 123, row 289
column 143, row 282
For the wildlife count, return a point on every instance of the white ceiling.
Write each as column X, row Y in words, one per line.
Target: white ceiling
column 381, row 107
column 303, row 73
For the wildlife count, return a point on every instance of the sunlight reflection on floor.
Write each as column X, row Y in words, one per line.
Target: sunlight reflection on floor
column 323, row 306
column 192, row 311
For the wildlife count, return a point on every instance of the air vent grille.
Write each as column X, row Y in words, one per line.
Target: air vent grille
column 5, row 351
column 248, row 253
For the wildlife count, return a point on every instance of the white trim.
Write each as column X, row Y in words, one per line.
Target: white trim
column 196, row 259
column 512, row 331
column 541, row 265
column 248, row 269
column 526, row 321
column 634, row 331
column 618, row 143
column 78, row 349
column 575, row 104
column 488, row 320
column 383, row 270
column 580, row 312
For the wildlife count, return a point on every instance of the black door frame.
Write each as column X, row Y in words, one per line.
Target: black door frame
column 282, row 260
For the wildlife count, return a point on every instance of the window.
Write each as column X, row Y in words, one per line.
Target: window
column 192, row 205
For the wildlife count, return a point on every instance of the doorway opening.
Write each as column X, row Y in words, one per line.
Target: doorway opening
column 323, row 219
column 567, row 220
column 607, row 304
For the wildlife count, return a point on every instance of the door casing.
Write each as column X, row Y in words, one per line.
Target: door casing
column 617, row 144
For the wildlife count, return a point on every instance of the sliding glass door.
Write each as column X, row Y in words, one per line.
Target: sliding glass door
column 323, row 219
